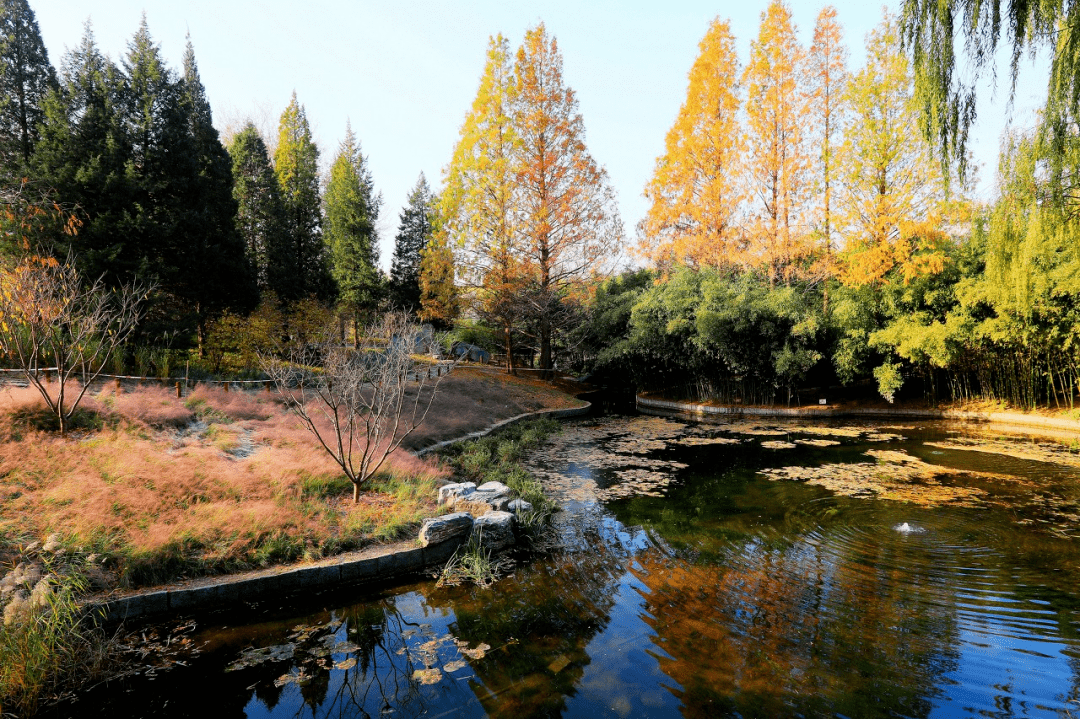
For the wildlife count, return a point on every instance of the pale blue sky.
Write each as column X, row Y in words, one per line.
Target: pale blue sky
column 405, row 72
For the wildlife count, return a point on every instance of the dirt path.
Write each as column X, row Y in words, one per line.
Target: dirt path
column 471, row 399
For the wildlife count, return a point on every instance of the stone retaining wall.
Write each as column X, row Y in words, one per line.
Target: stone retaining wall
column 1055, row 425
column 371, row 565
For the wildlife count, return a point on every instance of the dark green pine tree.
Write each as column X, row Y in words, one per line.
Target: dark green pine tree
column 414, row 230
column 351, row 209
column 260, row 216
column 82, row 155
column 161, row 169
column 214, row 273
column 296, row 164
column 26, row 78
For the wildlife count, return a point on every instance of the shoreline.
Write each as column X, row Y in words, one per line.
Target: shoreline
column 1016, row 421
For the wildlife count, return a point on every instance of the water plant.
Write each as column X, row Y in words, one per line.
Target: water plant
column 472, row 563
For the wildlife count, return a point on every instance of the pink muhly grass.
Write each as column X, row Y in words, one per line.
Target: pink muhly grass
column 237, row 405
column 152, row 405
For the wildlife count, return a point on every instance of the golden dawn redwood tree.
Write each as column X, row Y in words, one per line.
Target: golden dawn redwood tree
column 826, row 72
column 695, row 193
column 477, row 206
column 777, row 159
column 570, row 225
column 890, row 178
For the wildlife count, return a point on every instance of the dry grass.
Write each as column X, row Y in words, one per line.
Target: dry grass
column 164, row 487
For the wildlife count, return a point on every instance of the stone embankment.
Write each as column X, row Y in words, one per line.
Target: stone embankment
column 1058, row 426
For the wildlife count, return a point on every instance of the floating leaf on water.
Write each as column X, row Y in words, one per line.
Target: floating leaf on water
column 345, row 648
column 346, row 664
column 454, row 666
column 254, row 657
column 1050, row 452
column 478, row 653
column 775, row 444
column 817, row 442
column 703, row 441
column 301, row 677
column 895, row 475
column 560, row 663
column 427, row 676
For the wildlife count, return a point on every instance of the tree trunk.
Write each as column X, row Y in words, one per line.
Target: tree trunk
column 509, row 350
column 545, row 346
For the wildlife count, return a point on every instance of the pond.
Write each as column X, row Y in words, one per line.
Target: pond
column 740, row 569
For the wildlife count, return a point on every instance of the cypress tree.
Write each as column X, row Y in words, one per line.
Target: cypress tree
column 215, row 273
column 296, row 164
column 352, row 208
column 260, row 216
column 26, row 78
column 414, row 231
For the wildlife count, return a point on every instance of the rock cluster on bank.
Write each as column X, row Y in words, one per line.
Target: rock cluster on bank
column 495, row 528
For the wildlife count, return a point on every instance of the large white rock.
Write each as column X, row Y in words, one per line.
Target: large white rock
column 494, row 530
column 446, row 527
column 495, row 494
column 451, row 493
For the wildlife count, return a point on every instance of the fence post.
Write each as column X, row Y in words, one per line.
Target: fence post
column 178, row 393
column 117, row 385
column 226, row 386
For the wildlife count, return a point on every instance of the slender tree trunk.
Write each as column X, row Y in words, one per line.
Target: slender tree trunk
column 509, row 350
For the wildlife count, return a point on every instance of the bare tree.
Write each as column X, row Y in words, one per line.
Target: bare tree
column 360, row 404
column 51, row 321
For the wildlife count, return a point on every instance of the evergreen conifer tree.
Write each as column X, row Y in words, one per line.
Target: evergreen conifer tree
column 414, row 232
column 296, row 164
column 214, row 271
column 351, row 208
column 260, row 216
column 26, row 77
column 82, row 155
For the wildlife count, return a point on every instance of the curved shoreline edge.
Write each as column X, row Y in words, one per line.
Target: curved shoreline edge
column 1015, row 420
column 372, row 565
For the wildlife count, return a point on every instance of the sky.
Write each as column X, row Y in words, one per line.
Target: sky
column 404, row 73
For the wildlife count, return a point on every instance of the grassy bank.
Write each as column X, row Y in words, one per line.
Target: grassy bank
column 157, row 488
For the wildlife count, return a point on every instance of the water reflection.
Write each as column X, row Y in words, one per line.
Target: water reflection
column 728, row 595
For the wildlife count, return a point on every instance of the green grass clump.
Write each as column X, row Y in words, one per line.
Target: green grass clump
column 497, row 458
column 472, row 563
column 47, row 641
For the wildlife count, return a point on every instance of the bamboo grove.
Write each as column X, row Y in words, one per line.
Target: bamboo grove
column 811, row 225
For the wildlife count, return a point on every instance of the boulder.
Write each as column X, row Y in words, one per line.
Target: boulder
column 519, row 506
column 495, row 494
column 494, row 530
column 446, row 527
column 451, row 493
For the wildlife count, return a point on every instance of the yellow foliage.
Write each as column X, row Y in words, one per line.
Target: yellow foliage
column 696, row 191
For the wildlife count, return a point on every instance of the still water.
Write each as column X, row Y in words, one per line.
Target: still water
column 704, row 571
